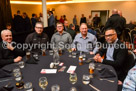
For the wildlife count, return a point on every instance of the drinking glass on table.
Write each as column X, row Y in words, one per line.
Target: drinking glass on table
column 73, row 78
column 55, row 88
column 21, row 64
column 17, row 74
column 91, row 69
column 70, row 52
column 86, row 79
column 43, row 83
column 28, row 54
column 73, row 89
column 28, row 86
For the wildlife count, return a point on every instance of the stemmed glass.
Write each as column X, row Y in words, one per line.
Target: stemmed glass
column 86, row 79
column 73, row 78
column 43, row 83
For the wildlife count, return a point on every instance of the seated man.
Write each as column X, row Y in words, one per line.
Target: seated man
column 8, row 54
column 114, row 52
column 60, row 38
column 130, row 81
column 38, row 39
column 85, row 41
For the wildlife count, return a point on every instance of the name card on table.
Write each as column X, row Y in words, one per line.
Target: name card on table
column 71, row 69
column 48, row 71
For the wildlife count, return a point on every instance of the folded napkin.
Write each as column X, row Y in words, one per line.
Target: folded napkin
column 4, row 74
column 106, row 73
column 31, row 60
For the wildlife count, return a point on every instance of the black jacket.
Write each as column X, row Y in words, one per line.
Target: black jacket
column 119, row 56
column 117, row 22
column 7, row 56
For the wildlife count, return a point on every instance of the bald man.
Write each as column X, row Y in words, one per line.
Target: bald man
column 116, row 22
column 85, row 41
column 8, row 54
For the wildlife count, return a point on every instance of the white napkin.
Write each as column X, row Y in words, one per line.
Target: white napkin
column 48, row 71
column 71, row 69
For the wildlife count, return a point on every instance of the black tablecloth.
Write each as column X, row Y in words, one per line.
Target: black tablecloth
column 31, row 73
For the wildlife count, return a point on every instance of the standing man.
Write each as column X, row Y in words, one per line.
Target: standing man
column 85, row 40
column 61, row 37
column 83, row 19
column 115, row 53
column 66, row 28
column 37, row 38
column 51, row 19
column 8, row 54
column 96, row 21
column 75, row 20
column 116, row 22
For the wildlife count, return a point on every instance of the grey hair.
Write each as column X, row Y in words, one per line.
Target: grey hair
column 4, row 31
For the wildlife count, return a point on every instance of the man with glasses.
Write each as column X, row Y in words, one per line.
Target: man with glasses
column 114, row 52
column 38, row 39
column 61, row 37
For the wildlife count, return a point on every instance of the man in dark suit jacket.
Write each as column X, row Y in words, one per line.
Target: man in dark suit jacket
column 115, row 53
column 8, row 53
column 116, row 22
column 83, row 19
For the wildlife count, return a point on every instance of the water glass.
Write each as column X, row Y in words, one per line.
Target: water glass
column 17, row 74
column 86, row 79
column 73, row 89
column 73, row 78
column 35, row 55
column 55, row 88
column 21, row 64
column 43, row 82
column 28, row 86
column 50, row 52
column 74, row 54
column 84, row 57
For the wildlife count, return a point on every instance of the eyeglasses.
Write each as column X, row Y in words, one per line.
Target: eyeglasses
column 109, row 35
column 39, row 27
column 59, row 26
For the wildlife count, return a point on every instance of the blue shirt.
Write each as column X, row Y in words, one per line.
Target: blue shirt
column 130, row 81
column 86, row 44
column 110, row 51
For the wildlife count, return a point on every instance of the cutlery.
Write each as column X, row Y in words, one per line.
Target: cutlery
column 94, row 87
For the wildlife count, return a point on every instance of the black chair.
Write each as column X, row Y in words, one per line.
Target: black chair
column 133, row 34
column 129, row 62
column 126, row 35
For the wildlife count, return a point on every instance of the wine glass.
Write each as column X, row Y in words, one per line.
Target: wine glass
column 86, row 79
column 43, row 83
column 73, row 78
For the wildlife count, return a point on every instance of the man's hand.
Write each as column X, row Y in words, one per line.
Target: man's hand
column 91, row 53
column 98, row 58
column 73, row 49
column 18, row 59
column 10, row 47
column 134, row 51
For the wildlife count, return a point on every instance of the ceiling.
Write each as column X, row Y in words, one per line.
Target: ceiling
column 41, row 0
